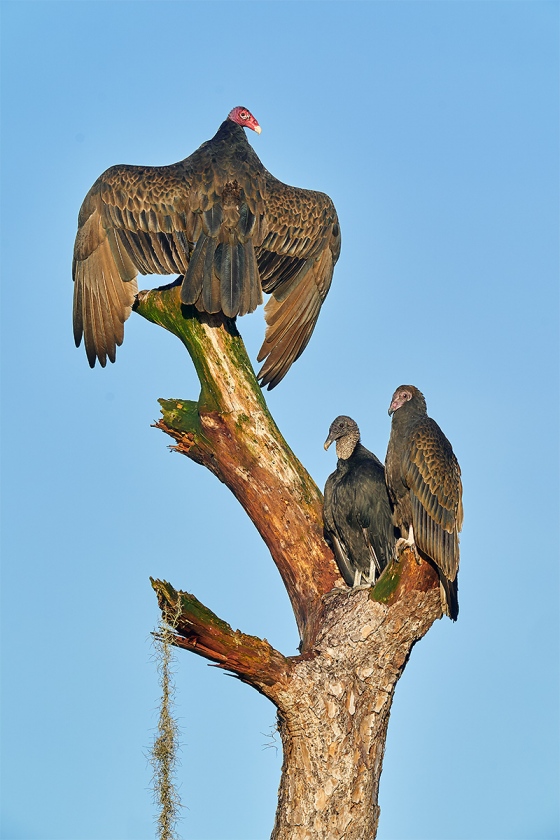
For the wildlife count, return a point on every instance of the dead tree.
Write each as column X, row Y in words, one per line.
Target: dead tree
column 334, row 699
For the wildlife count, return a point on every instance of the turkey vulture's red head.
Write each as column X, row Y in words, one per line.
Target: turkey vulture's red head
column 242, row 116
column 403, row 394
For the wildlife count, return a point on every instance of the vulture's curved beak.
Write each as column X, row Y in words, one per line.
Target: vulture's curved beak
column 258, row 129
column 328, row 442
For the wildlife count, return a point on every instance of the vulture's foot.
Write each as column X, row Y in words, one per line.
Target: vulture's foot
column 409, row 542
column 374, row 564
column 402, row 545
column 374, row 568
column 368, row 580
column 338, row 590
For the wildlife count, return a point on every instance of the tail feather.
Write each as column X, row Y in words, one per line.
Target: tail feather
column 200, row 270
column 228, row 265
column 236, row 266
column 449, row 596
column 222, row 277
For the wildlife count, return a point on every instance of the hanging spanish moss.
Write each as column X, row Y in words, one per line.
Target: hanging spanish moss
column 164, row 751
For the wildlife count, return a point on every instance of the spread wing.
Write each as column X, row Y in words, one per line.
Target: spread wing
column 134, row 219
column 432, row 473
column 296, row 260
column 220, row 219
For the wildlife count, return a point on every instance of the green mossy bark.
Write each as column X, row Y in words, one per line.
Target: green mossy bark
column 192, row 609
column 163, row 307
column 387, row 584
column 200, row 630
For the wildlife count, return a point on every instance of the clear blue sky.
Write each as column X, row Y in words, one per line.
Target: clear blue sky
column 434, row 127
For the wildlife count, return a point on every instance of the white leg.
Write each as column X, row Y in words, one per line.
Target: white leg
column 403, row 543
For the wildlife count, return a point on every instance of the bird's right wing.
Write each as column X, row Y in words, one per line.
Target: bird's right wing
column 296, row 260
column 134, row 219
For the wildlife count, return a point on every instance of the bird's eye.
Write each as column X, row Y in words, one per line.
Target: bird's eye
column 244, row 115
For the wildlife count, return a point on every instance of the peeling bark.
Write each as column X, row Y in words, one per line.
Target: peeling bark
column 334, row 699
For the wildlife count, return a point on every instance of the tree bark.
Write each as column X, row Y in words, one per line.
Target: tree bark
column 333, row 699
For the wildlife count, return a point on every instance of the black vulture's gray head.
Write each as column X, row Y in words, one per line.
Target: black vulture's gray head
column 346, row 433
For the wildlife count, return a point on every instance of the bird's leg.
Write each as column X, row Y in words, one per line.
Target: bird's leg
column 372, row 569
column 374, row 564
column 408, row 542
column 358, row 575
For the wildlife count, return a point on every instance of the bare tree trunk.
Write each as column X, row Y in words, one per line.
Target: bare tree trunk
column 333, row 699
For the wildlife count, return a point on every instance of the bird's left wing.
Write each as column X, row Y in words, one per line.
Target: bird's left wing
column 433, row 476
column 296, row 259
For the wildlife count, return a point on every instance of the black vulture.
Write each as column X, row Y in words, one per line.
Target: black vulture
column 219, row 218
column 424, row 482
column 357, row 512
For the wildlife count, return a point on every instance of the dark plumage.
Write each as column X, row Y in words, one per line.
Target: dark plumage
column 424, row 483
column 357, row 512
column 220, row 219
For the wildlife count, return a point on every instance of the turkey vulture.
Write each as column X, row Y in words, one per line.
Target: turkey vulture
column 356, row 511
column 225, row 223
column 424, row 482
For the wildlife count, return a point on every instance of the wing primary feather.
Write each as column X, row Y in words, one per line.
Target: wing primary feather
column 77, row 319
column 107, row 320
column 91, row 333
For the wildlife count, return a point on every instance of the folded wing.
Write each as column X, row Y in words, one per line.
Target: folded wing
column 432, row 473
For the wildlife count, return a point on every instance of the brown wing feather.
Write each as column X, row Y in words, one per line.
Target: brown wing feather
column 134, row 219
column 432, row 473
column 296, row 261
column 104, row 290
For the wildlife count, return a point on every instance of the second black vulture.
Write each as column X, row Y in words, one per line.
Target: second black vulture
column 357, row 512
